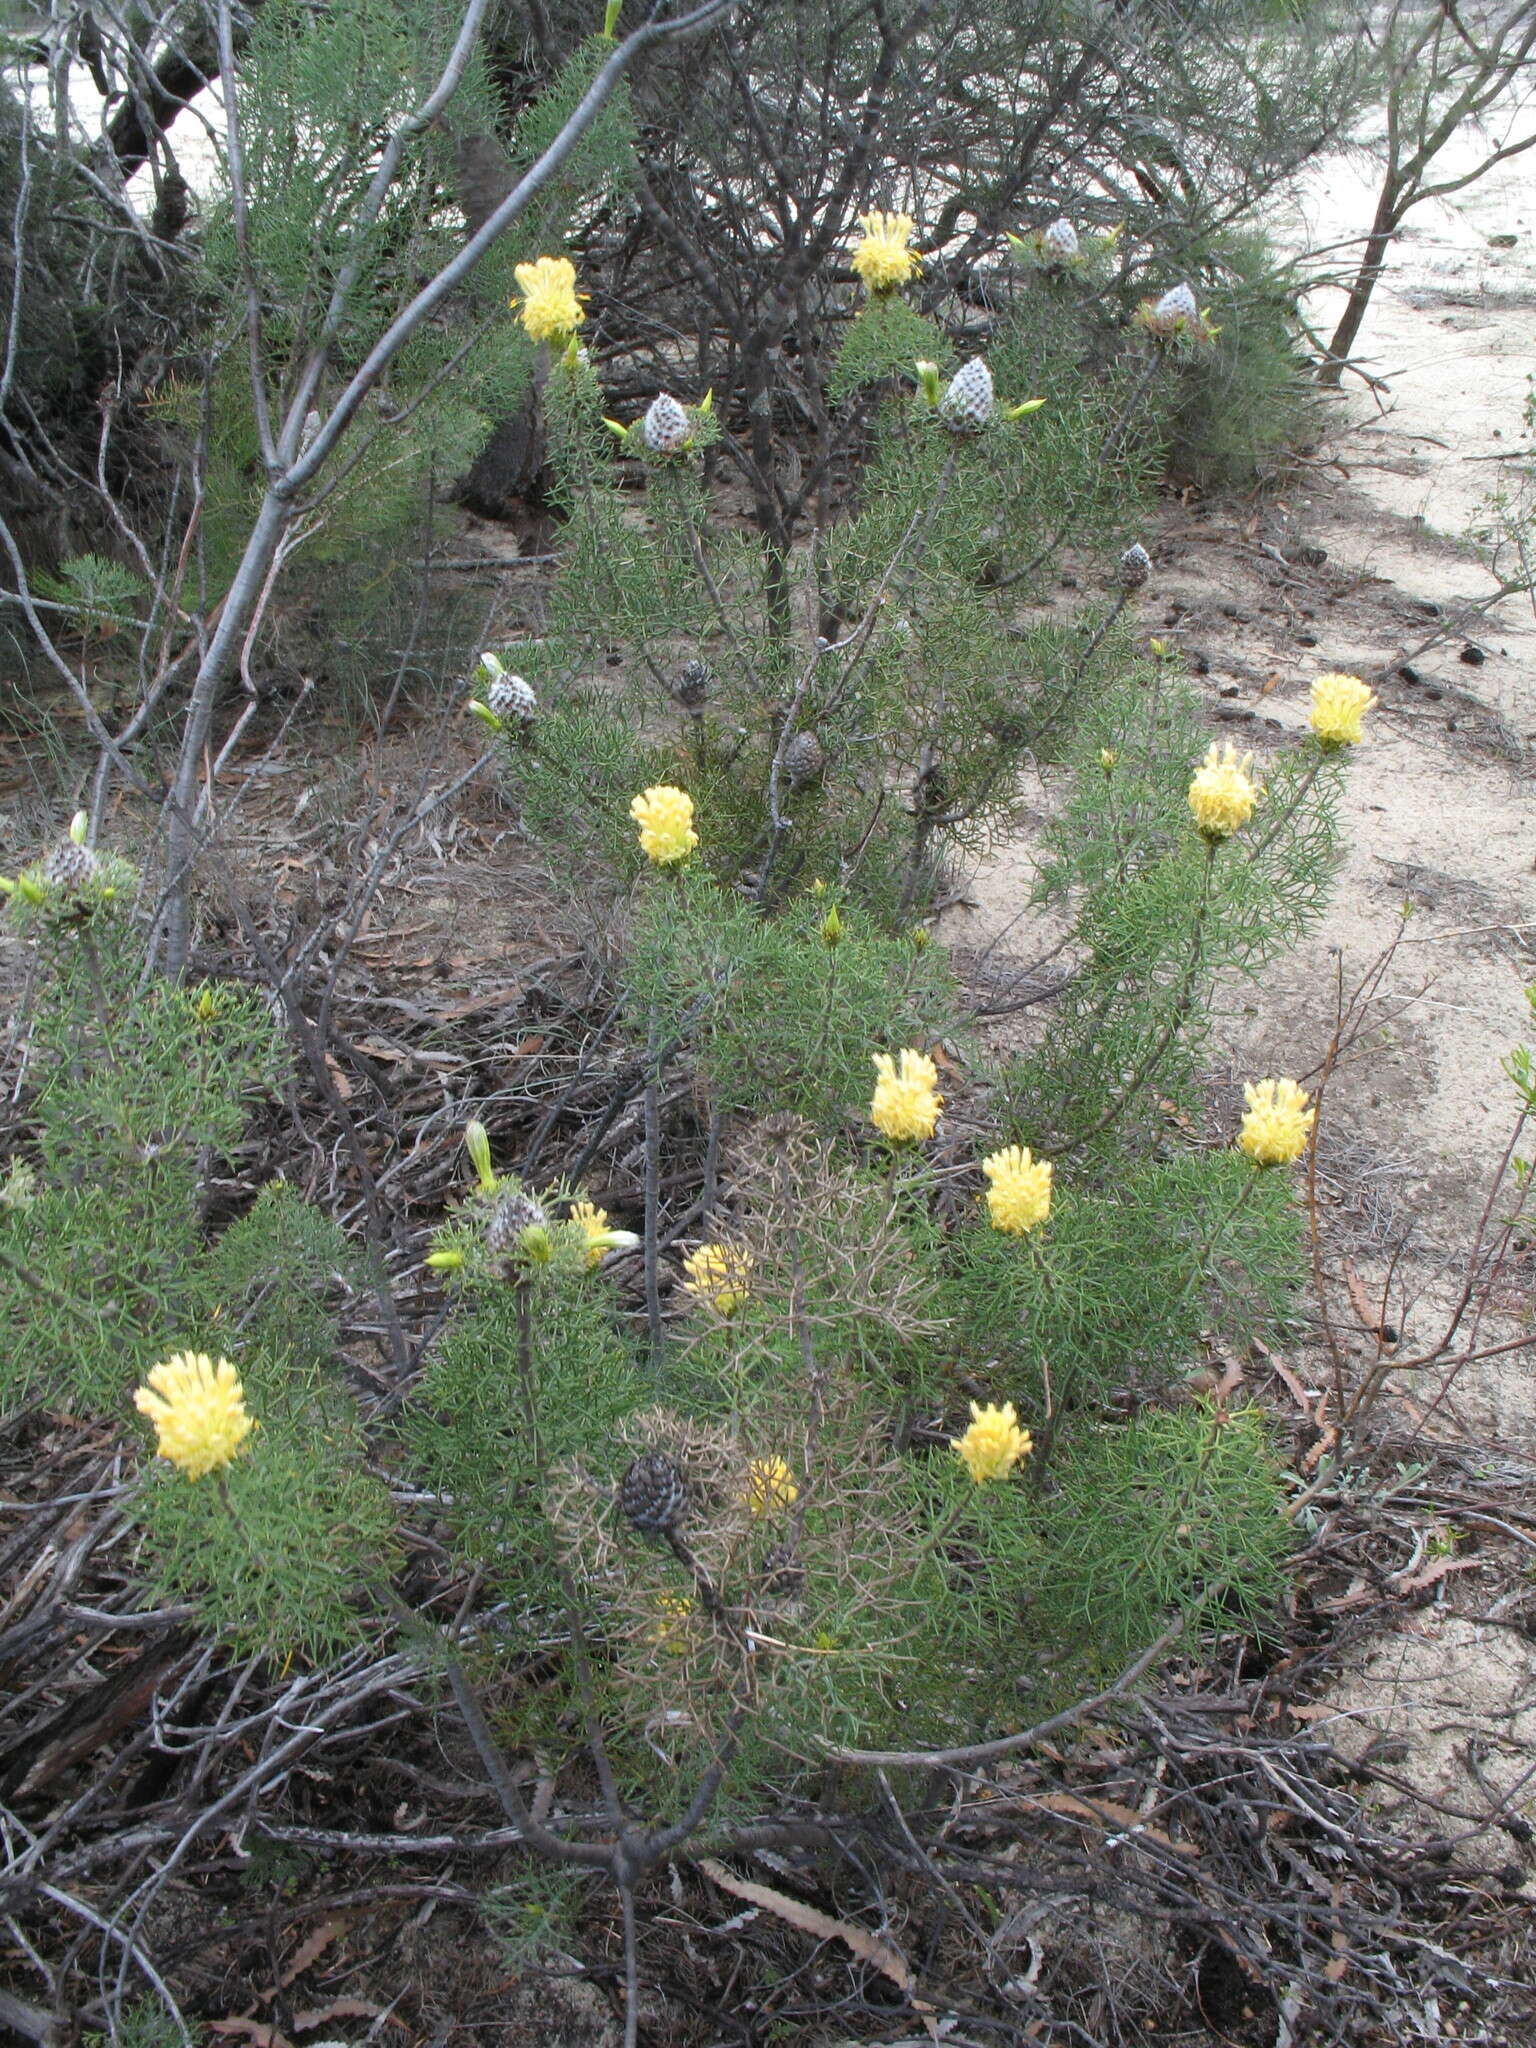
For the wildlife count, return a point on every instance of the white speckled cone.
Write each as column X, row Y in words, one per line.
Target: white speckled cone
column 510, row 697
column 968, row 403
column 1175, row 305
column 665, row 426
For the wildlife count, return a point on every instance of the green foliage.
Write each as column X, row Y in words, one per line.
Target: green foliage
column 885, row 339
column 275, row 1269
column 136, row 1086
column 1175, row 1514
column 288, row 1550
column 537, row 1918
column 1115, row 1297
column 1247, row 402
column 1158, row 914
column 142, row 2023
column 98, row 595
column 778, row 1019
column 481, row 1432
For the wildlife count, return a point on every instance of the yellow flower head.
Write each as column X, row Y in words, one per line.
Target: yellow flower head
column 592, row 1222
column 883, row 259
column 670, row 1630
column 550, row 309
column 665, row 818
column 1222, row 795
column 721, row 1275
column 1020, row 1194
column 906, row 1102
column 198, row 1409
column 1278, row 1123
column 1338, row 704
column 770, row 1486
column 994, row 1443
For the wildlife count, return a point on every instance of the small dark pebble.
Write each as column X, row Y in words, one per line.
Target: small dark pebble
column 1305, row 639
column 1236, row 613
column 1233, row 714
column 1426, row 605
column 1069, row 583
column 1473, row 655
column 1410, row 675
column 1231, row 690
column 1309, row 557
column 1200, row 663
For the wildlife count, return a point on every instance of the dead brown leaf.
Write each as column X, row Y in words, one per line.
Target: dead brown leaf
column 340, row 2009
column 1108, row 1813
column 316, row 1946
column 257, row 2032
column 889, row 1961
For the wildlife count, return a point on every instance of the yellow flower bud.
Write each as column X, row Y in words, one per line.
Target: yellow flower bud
column 445, row 1262
column 720, row 1275
column 831, row 928
column 1339, row 703
column 1020, row 1195
column 770, row 1486
column 477, row 1143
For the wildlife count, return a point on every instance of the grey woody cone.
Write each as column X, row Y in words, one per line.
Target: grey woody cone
column 514, row 1213
column 69, row 867
column 653, row 1494
column 783, row 1573
column 1135, row 567
column 665, row 427
column 1060, row 240
column 968, row 403
column 511, row 697
column 694, row 681
column 804, row 759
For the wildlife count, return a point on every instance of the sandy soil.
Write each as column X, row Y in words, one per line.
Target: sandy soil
column 1443, row 821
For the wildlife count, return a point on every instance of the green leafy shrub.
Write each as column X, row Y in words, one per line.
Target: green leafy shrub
column 874, row 1429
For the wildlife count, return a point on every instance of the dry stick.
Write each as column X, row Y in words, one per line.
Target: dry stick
column 296, row 465
column 1006, row 1745
column 1314, row 1222
column 313, row 1043
column 653, row 1194
column 1348, row 1018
